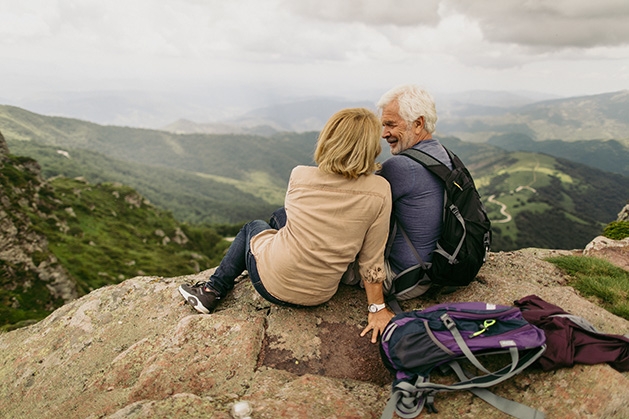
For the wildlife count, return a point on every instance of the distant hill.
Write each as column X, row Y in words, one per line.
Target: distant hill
column 201, row 178
column 234, row 178
column 596, row 117
column 311, row 114
column 133, row 108
column 185, row 126
column 609, row 155
column 301, row 116
column 472, row 116
column 228, row 111
column 484, row 103
column 191, row 196
column 536, row 200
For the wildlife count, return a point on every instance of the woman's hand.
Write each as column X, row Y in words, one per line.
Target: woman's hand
column 376, row 322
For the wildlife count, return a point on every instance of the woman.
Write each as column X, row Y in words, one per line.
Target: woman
column 336, row 213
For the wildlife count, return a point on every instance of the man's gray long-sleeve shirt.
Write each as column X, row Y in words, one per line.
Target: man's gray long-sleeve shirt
column 417, row 204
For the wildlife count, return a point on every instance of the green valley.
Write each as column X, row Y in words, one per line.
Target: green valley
column 232, row 178
column 536, row 200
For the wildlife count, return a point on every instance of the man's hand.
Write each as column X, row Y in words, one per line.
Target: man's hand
column 376, row 323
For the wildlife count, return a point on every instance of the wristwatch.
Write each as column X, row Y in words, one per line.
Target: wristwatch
column 374, row 308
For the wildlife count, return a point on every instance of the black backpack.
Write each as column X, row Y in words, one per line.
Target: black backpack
column 465, row 236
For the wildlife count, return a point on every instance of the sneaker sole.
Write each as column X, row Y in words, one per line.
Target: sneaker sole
column 193, row 301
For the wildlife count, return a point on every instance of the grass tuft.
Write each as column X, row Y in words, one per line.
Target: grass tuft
column 594, row 277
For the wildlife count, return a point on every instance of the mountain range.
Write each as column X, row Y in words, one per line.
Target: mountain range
column 226, row 112
column 301, row 116
column 475, row 116
column 597, row 117
column 97, row 215
column 232, row 178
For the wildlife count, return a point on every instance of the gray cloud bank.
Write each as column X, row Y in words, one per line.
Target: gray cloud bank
column 239, row 52
column 539, row 23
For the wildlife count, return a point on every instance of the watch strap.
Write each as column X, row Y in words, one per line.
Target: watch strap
column 377, row 307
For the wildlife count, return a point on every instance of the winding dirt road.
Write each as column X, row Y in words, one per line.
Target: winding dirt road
column 503, row 210
column 503, row 206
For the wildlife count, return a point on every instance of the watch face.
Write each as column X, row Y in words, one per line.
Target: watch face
column 373, row 308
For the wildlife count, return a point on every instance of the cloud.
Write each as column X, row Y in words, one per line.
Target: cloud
column 308, row 46
column 24, row 21
column 534, row 24
column 371, row 12
column 549, row 25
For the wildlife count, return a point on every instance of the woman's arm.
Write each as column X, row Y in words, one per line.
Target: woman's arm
column 371, row 268
column 376, row 322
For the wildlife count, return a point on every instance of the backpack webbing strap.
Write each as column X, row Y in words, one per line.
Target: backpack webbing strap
column 392, row 234
column 449, row 323
column 424, row 389
column 452, row 257
column 390, row 300
column 406, row 401
column 410, row 244
column 484, row 381
column 393, row 304
column 510, row 407
column 390, row 240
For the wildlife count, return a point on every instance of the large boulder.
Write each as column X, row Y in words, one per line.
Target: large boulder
column 135, row 350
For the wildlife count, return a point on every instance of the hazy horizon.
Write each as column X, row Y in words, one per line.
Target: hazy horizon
column 192, row 59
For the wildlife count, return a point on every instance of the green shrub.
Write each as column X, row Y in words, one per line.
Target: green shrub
column 617, row 230
column 13, row 176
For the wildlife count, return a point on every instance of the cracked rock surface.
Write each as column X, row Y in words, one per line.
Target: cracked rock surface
column 134, row 350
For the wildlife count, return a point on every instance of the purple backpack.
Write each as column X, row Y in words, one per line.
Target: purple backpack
column 416, row 342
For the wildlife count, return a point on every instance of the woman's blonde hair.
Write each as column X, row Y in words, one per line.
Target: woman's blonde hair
column 349, row 143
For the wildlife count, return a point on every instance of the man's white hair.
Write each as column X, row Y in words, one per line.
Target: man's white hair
column 413, row 102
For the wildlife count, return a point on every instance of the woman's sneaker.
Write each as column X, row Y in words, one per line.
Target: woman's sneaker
column 201, row 297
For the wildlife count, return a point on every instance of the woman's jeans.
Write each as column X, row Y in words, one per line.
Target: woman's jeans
column 278, row 218
column 239, row 258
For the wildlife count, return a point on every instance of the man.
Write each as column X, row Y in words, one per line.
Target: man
column 409, row 118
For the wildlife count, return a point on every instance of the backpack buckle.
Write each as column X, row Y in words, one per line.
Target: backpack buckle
column 447, row 320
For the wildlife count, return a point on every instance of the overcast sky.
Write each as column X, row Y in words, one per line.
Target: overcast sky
column 354, row 49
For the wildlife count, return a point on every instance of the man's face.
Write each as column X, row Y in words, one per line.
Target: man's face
column 395, row 130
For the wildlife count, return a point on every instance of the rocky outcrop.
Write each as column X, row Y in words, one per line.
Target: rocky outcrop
column 623, row 215
column 614, row 251
column 25, row 261
column 135, row 350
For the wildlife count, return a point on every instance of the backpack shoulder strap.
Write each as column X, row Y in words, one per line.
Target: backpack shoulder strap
column 394, row 228
column 430, row 163
column 391, row 300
